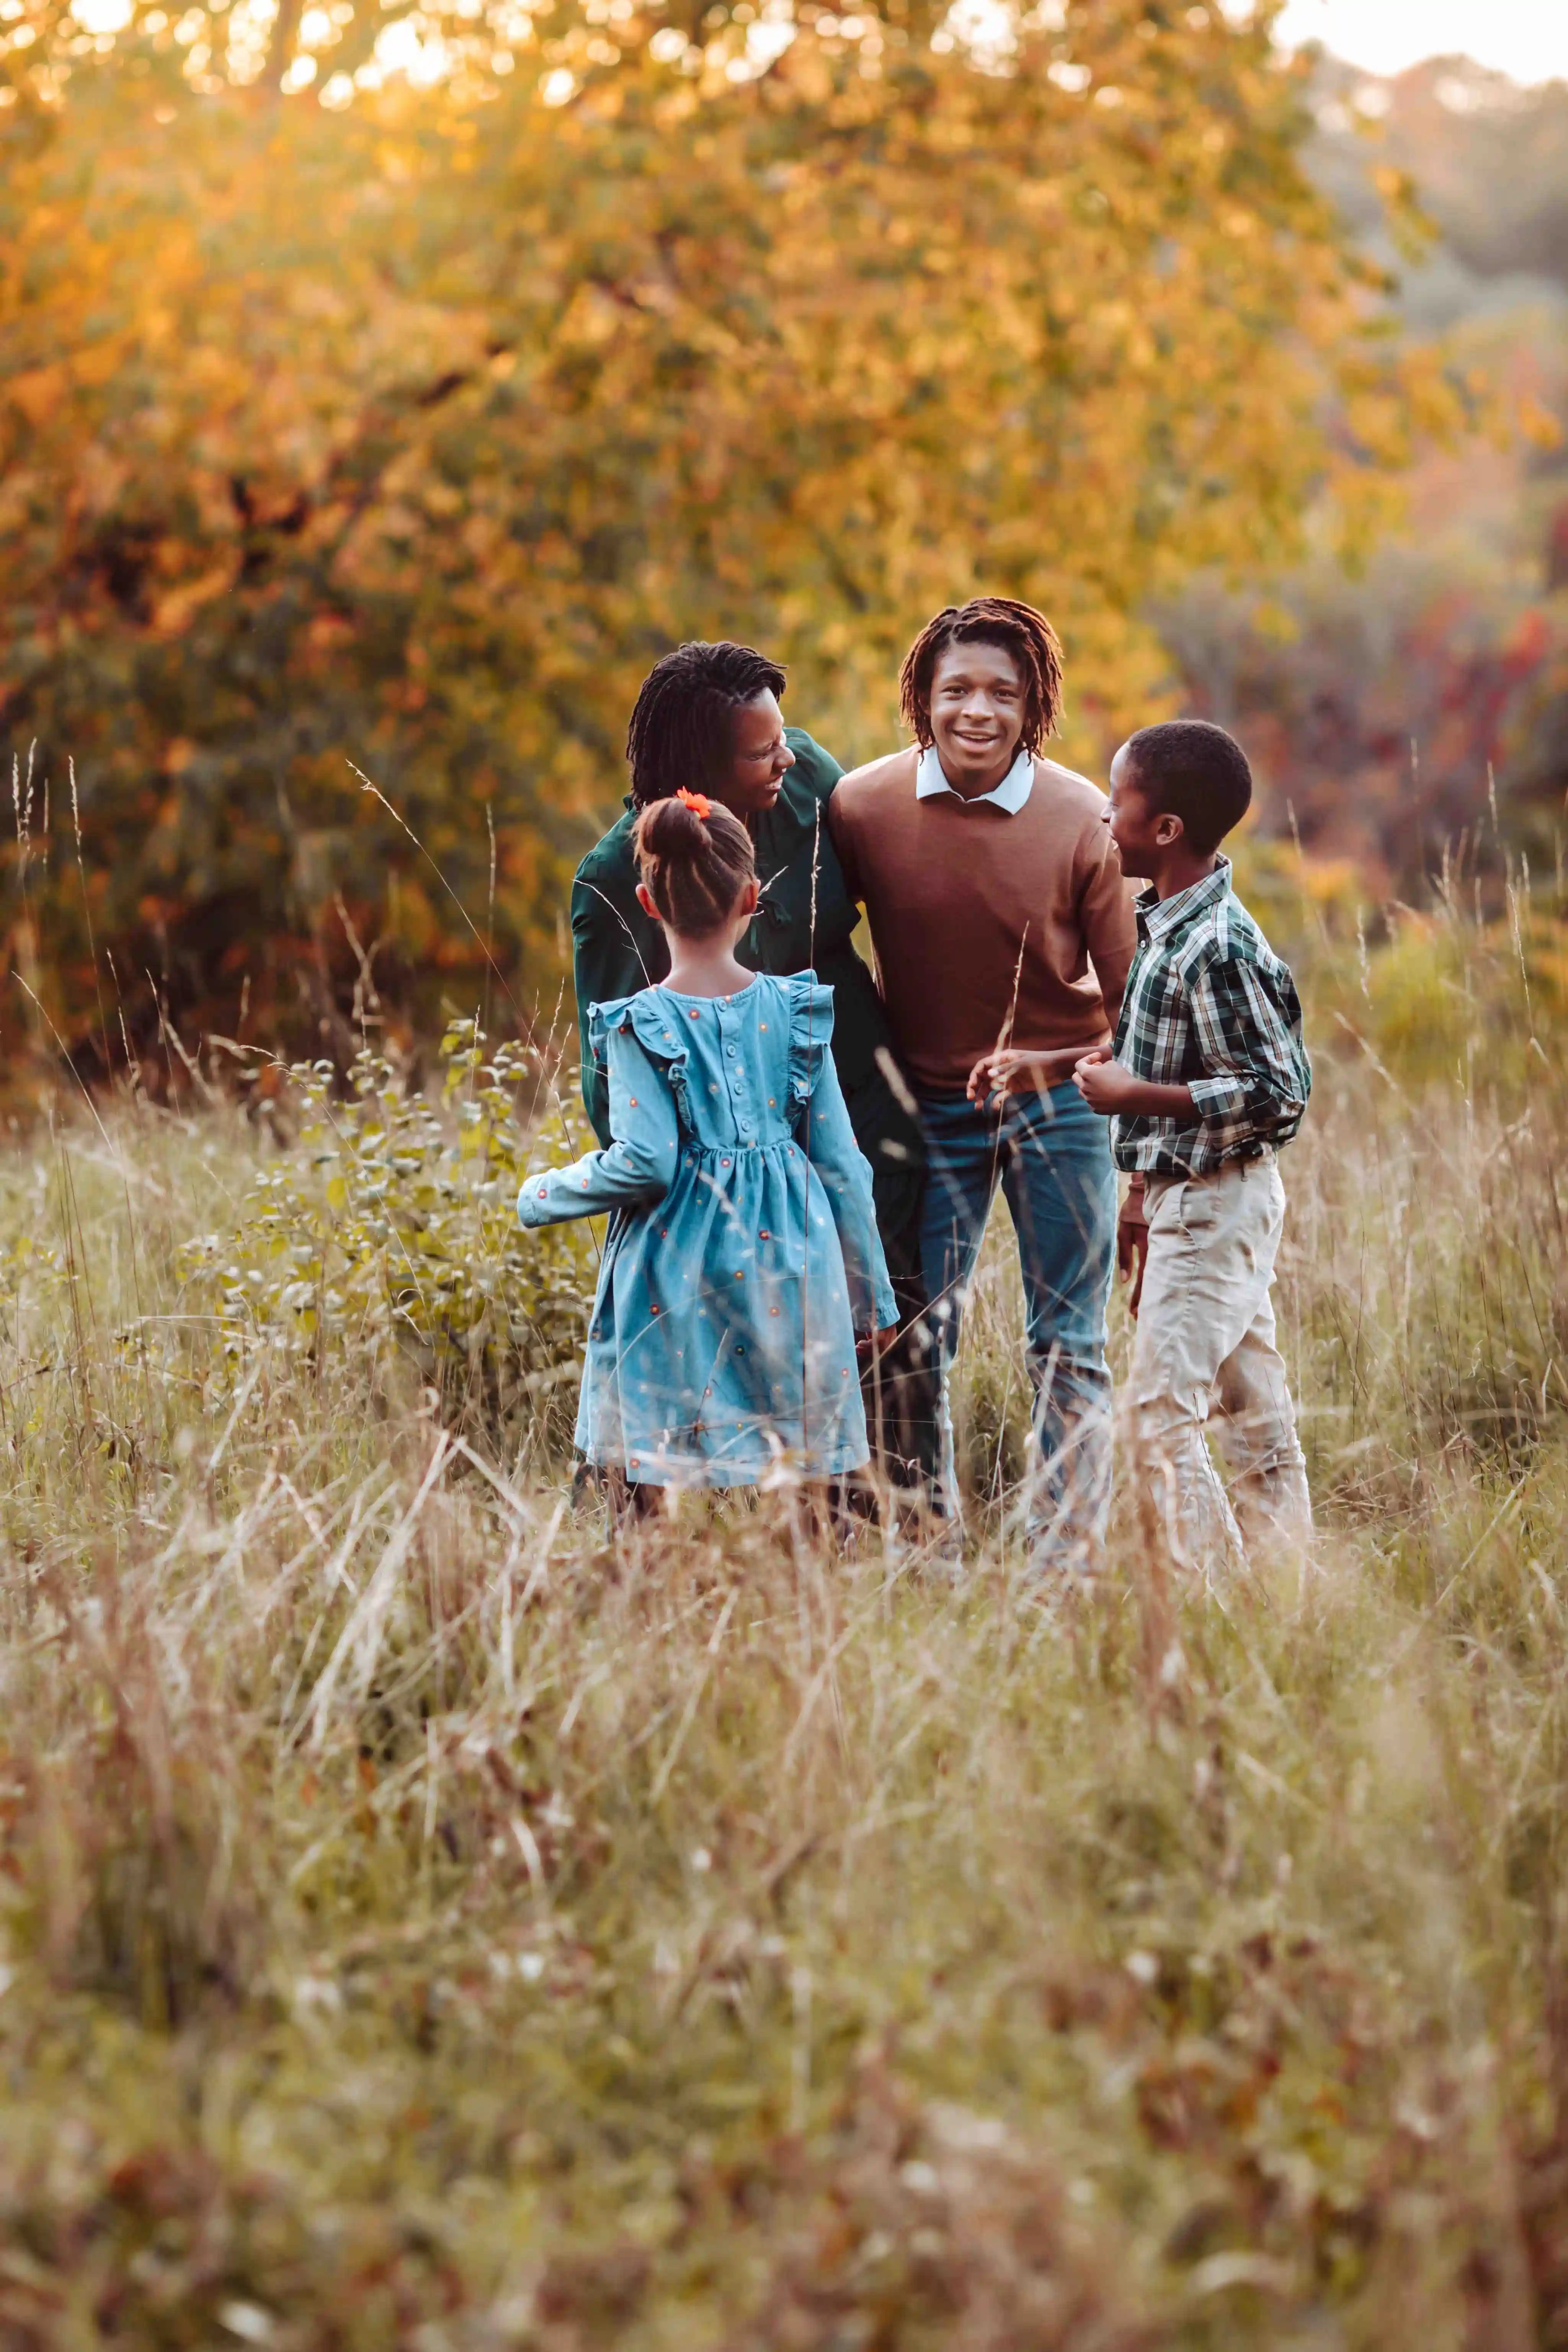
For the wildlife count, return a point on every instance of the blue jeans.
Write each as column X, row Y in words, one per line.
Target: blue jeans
column 1051, row 1155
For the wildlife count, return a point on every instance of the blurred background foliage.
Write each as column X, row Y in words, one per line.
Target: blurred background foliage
column 383, row 389
column 1401, row 709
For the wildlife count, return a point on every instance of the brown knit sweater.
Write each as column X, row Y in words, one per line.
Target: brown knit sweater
column 974, row 913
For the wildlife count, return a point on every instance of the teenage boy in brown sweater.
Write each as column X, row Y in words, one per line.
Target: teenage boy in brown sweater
column 1000, row 917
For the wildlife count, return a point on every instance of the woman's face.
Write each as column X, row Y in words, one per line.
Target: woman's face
column 759, row 763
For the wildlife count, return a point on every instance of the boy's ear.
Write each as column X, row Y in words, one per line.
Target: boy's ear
column 1168, row 828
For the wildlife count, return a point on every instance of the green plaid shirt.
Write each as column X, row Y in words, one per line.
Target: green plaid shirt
column 1209, row 1005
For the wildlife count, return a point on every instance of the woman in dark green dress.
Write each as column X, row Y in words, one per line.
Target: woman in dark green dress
column 708, row 717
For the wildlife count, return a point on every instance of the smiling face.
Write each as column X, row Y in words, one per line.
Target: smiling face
column 760, row 760
column 1141, row 836
column 977, row 706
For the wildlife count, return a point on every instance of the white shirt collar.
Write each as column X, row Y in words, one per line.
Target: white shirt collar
column 1010, row 795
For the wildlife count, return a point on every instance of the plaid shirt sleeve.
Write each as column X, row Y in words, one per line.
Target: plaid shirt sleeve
column 1247, row 1027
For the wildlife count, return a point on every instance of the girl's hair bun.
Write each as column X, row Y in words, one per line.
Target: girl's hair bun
column 695, row 865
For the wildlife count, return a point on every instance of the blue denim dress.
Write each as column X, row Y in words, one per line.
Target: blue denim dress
column 743, row 1254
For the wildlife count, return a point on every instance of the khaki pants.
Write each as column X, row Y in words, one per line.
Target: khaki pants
column 1206, row 1335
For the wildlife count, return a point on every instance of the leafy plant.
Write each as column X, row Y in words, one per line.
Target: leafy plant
column 389, row 1228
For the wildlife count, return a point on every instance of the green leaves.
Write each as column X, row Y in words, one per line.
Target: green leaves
column 390, row 1227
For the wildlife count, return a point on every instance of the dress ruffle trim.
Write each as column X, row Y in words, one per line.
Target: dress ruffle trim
column 653, row 1030
column 810, row 1033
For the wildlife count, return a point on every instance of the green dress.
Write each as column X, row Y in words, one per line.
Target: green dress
column 616, row 950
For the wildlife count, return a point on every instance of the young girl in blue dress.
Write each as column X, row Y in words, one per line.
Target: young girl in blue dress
column 743, row 1256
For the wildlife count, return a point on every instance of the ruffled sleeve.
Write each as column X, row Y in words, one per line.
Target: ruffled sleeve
column 810, row 1034
column 645, row 1017
column 822, row 1126
column 639, row 1162
column 615, row 948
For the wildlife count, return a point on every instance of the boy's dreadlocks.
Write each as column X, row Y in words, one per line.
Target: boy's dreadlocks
column 682, row 723
column 1026, row 635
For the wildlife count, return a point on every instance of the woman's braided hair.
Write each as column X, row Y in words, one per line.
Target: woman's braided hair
column 682, row 728
column 1026, row 635
column 695, row 859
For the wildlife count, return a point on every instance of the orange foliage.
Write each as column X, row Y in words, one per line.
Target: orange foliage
column 408, row 434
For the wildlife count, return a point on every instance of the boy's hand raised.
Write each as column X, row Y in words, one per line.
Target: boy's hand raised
column 1014, row 1070
column 1104, row 1085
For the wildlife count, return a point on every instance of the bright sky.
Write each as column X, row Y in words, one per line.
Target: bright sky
column 1526, row 38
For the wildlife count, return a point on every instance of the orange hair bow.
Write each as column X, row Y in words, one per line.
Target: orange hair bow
column 700, row 802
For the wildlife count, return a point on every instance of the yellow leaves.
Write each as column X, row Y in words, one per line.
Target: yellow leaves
column 1539, row 426
column 806, row 72
column 173, row 611
column 411, row 919
column 1274, row 621
column 318, row 298
column 591, row 318
column 95, row 364
column 1330, row 882
column 799, row 360
column 1395, row 186
column 37, row 392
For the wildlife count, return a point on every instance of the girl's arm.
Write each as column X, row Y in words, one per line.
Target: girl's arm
column 821, row 1125
column 639, row 1164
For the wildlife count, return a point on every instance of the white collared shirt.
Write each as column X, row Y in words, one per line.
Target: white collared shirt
column 1010, row 795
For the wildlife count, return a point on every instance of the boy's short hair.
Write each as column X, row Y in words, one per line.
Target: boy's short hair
column 1192, row 769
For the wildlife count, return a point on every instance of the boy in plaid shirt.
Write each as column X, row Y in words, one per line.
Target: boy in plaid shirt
column 1207, row 1078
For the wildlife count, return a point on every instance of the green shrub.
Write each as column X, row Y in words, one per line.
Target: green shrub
column 389, row 1228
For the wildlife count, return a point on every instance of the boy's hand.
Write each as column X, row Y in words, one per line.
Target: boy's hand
column 1014, row 1069
column 1132, row 1245
column 1104, row 1085
column 877, row 1343
column 1107, row 1087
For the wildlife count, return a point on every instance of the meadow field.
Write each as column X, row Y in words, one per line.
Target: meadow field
column 426, row 1925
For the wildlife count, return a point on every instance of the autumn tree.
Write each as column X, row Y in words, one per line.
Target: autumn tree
column 395, row 401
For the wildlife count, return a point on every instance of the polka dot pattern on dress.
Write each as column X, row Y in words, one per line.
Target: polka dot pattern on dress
column 681, row 1366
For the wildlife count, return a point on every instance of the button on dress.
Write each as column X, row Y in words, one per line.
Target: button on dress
column 743, row 1254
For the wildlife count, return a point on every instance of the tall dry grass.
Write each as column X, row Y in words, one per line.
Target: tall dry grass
column 428, row 1924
